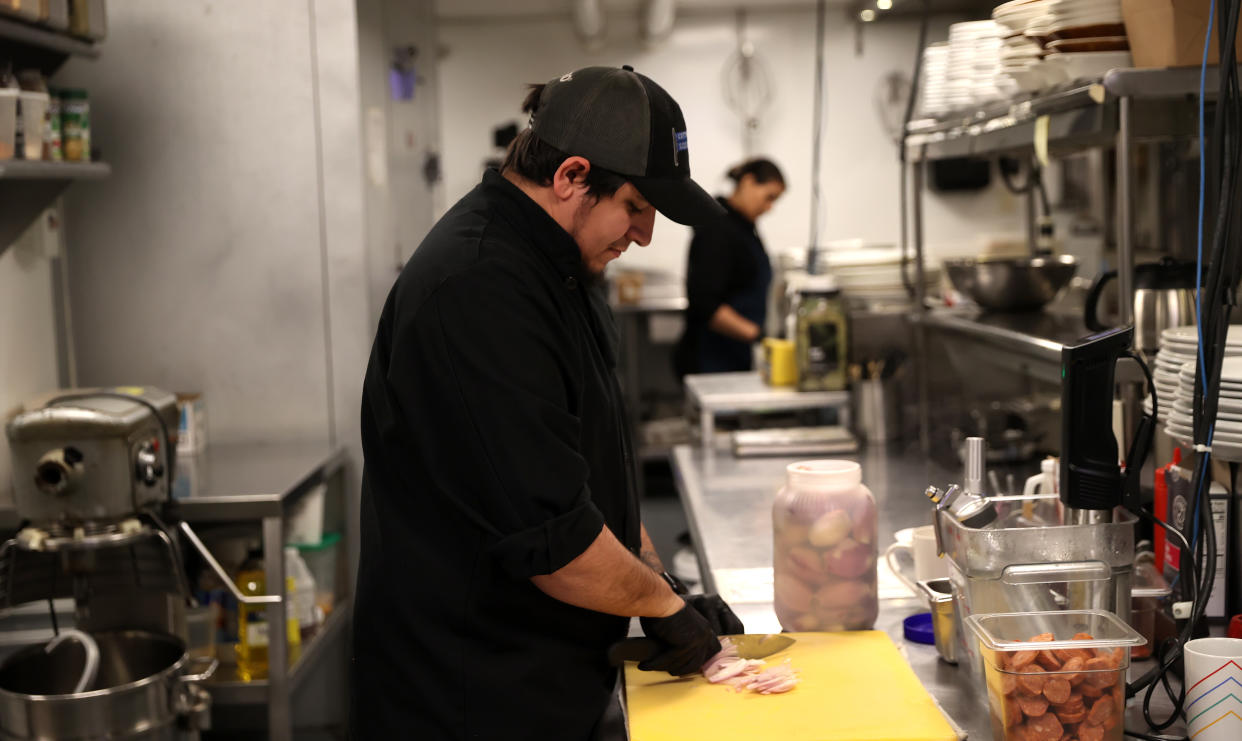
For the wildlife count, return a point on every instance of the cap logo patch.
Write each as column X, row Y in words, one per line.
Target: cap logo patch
column 679, row 144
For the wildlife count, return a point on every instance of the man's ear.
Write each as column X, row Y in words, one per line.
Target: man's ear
column 570, row 177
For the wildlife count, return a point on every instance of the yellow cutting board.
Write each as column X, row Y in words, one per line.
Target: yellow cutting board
column 855, row 687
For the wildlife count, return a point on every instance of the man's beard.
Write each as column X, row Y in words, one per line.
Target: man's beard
column 591, row 277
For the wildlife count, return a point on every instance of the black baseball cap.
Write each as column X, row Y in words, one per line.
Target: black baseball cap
column 622, row 121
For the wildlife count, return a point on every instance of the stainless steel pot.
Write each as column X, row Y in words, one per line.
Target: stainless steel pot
column 143, row 690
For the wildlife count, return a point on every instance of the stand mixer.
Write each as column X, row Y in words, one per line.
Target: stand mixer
column 92, row 473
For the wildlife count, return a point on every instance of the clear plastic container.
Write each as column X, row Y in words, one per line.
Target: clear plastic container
column 1053, row 675
column 1027, row 561
column 34, row 119
column 8, row 122
column 304, row 594
column 1148, row 596
column 322, row 560
column 824, row 548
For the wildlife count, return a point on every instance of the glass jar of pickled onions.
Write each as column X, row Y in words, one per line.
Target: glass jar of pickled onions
column 824, row 548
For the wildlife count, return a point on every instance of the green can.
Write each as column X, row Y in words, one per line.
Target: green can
column 75, row 116
column 53, row 143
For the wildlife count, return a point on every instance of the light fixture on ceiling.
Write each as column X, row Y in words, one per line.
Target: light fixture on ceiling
column 657, row 20
column 867, row 15
column 590, row 23
column 884, row 4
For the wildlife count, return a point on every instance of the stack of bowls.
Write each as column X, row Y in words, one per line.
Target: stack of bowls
column 1084, row 39
column 973, row 63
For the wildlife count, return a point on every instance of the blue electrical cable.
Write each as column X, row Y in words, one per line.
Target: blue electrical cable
column 1207, row 45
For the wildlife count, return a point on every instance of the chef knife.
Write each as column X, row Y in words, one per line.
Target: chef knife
column 749, row 646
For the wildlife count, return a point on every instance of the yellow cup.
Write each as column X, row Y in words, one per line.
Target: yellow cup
column 780, row 366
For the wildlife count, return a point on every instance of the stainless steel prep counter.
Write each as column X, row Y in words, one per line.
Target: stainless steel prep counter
column 728, row 506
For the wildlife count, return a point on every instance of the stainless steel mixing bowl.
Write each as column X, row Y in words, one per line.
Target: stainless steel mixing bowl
column 1011, row 283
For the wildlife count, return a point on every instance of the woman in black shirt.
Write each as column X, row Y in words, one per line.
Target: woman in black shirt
column 727, row 276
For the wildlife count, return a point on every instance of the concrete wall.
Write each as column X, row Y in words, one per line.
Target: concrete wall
column 28, row 356
column 226, row 253
column 487, row 62
column 399, row 136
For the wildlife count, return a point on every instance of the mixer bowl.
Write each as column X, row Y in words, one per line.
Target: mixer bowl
column 1011, row 283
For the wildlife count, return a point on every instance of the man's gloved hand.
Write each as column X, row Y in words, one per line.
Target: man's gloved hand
column 717, row 612
column 687, row 642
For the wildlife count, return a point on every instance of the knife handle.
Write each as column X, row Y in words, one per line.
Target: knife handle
column 632, row 649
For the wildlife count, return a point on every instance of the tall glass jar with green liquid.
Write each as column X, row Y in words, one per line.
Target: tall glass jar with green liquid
column 252, row 626
column 820, row 335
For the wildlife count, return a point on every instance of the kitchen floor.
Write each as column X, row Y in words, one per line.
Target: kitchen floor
column 662, row 511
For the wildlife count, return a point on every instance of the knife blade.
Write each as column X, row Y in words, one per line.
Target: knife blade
column 749, row 646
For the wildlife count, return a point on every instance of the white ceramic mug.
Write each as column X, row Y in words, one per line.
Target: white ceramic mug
column 1214, row 684
column 919, row 543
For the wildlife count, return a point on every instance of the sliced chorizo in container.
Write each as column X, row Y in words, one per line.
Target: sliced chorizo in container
column 1031, row 680
column 1075, row 716
column 1045, row 728
column 1101, row 673
column 1013, row 713
column 1100, row 711
column 1021, row 659
column 1074, row 664
column 1032, row 707
column 1057, row 690
column 1047, row 660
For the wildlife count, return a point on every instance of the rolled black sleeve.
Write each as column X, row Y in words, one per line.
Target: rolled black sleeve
column 504, row 414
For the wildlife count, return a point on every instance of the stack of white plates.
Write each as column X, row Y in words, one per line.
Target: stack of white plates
column 935, row 80
column 874, row 272
column 1175, row 368
column 1228, row 424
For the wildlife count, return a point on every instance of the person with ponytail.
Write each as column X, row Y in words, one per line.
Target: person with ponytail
column 728, row 274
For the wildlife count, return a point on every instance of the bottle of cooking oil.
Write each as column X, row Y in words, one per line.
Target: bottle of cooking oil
column 252, row 625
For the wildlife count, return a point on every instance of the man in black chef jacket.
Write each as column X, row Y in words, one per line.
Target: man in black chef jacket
column 502, row 550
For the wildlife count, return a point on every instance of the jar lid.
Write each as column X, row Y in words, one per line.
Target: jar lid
column 824, row 473
column 819, row 283
column 918, row 628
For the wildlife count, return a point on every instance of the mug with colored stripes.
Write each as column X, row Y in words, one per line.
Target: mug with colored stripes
column 1214, row 689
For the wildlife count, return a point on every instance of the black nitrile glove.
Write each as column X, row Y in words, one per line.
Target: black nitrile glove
column 718, row 614
column 686, row 640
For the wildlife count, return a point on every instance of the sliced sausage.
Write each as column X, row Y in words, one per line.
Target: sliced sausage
column 1074, row 665
column 1047, row 660
column 1057, row 690
column 1031, row 680
column 1032, row 707
column 1100, row 711
column 1045, row 728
